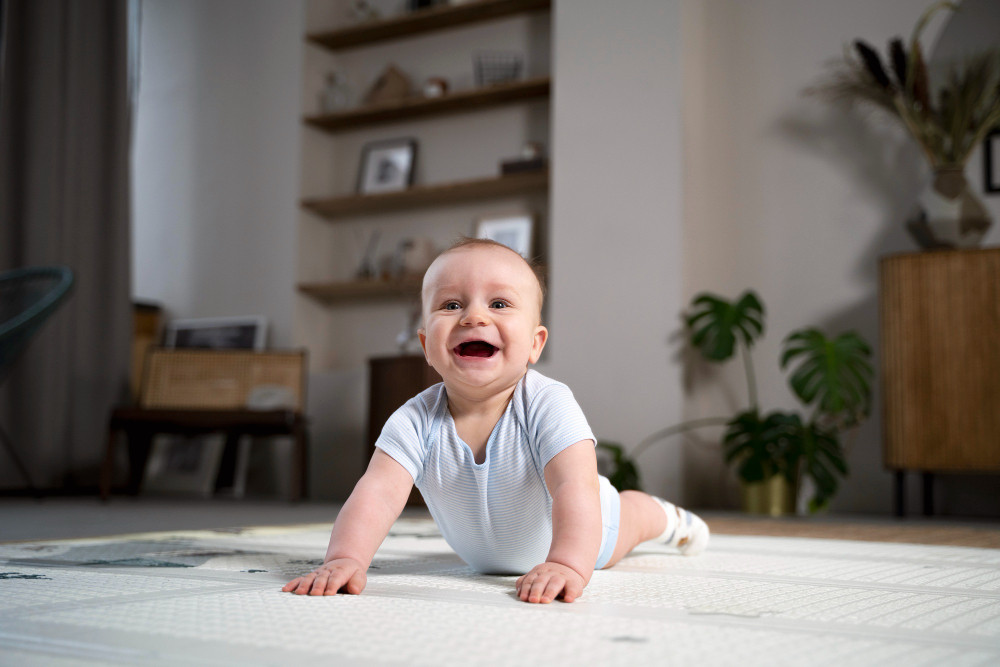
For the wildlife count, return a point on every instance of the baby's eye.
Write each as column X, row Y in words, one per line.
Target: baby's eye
column 498, row 303
column 452, row 305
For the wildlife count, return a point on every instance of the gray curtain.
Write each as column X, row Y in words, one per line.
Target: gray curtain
column 65, row 125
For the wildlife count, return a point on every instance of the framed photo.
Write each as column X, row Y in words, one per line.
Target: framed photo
column 387, row 166
column 218, row 333
column 991, row 162
column 183, row 466
column 514, row 231
column 191, row 465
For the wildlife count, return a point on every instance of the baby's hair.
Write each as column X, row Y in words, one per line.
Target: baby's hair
column 536, row 268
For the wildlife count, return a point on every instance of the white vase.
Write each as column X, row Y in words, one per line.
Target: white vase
column 948, row 214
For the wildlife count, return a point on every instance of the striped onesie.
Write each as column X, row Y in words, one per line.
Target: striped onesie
column 496, row 515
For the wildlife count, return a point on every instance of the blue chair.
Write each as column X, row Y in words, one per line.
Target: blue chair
column 27, row 298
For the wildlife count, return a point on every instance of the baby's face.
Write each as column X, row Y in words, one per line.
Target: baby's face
column 481, row 319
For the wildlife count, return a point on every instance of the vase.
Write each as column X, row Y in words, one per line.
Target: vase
column 948, row 214
column 774, row 496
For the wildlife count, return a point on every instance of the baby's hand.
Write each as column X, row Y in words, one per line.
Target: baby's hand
column 549, row 581
column 341, row 574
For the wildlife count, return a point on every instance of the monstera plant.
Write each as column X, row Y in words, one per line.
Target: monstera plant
column 831, row 377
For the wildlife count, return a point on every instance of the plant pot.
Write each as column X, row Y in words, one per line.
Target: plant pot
column 948, row 214
column 774, row 496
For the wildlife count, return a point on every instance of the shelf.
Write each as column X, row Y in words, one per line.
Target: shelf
column 429, row 195
column 426, row 20
column 415, row 107
column 361, row 290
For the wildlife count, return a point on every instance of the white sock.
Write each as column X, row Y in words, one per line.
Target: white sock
column 685, row 530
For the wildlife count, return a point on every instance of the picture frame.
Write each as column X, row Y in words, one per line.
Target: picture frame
column 514, row 230
column 991, row 162
column 186, row 466
column 181, row 465
column 387, row 166
column 218, row 333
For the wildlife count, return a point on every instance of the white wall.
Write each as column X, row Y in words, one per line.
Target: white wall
column 216, row 158
column 616, row 284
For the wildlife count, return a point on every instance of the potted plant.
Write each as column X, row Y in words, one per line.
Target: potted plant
column 772, row 452
column 947, row 119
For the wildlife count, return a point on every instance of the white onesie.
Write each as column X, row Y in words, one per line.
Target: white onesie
column 496, row 515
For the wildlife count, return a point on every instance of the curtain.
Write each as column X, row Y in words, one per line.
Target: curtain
column 65, row 126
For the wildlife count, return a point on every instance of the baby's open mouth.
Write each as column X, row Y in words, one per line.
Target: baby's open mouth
column 475, row 348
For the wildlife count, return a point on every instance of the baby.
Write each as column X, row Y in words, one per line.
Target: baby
column 502, row 455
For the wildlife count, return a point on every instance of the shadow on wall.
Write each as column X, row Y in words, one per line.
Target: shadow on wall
column 889, row 178
column 708, row 482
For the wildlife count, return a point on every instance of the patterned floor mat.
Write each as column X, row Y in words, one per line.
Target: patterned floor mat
column 214, row 598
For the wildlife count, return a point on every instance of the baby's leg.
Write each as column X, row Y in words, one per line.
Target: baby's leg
column 644, row 518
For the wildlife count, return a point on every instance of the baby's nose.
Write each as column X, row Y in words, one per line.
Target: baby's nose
column 476, row 316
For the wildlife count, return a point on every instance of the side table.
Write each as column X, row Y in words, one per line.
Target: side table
column 940, row 345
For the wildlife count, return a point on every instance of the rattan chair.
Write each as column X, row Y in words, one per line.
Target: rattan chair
column 27, row 297
column 194, row 391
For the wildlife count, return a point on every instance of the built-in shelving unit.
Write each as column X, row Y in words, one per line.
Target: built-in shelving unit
column 419, row 107
column 427, row 20
column 349, row 207
column 341, row 208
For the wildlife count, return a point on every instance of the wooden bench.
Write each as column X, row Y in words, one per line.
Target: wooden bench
column 190, row 392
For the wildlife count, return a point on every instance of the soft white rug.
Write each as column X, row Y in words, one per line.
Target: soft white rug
column 214, row 598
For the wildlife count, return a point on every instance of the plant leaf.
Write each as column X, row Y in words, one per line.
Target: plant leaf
column 834, row 374
column 873, row 64
column 897, row 56
column 716, row 324
column 762, row 446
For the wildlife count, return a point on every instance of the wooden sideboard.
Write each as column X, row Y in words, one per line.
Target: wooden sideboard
column 393, row 381
column 940, row 346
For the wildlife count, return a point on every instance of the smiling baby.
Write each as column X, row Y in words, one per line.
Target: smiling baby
column 503, row 456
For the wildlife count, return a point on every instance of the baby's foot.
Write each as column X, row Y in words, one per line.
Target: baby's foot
column 685, row 530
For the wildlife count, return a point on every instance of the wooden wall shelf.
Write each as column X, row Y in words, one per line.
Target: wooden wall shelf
column 427, row 20
column 337, row 208
column 353, row 291
column 416, row 107
column 361, row 290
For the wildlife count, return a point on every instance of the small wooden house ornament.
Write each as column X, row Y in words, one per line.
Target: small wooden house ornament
column 391, row 86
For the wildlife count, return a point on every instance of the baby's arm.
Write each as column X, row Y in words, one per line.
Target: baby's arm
column 361, row 525
column 571, row 477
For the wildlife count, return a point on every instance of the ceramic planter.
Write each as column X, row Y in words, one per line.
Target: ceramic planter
column 774, row 496
column 948, row 214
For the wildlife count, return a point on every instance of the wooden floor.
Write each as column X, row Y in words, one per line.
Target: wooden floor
column 920, row 531
column 66, row 518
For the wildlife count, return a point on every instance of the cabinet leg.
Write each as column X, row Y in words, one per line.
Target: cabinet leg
column 139, row 444
column 900, row 493
column 300, row 442
column 928, row 484
column 108, row 468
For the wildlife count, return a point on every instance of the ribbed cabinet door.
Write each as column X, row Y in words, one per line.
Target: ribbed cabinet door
column 940, row 345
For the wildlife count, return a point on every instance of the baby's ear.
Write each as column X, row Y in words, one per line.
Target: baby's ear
column 422, row 335
column 538, row 343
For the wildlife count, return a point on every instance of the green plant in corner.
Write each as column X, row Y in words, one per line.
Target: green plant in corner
column 830, row 376
column 624, row 475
